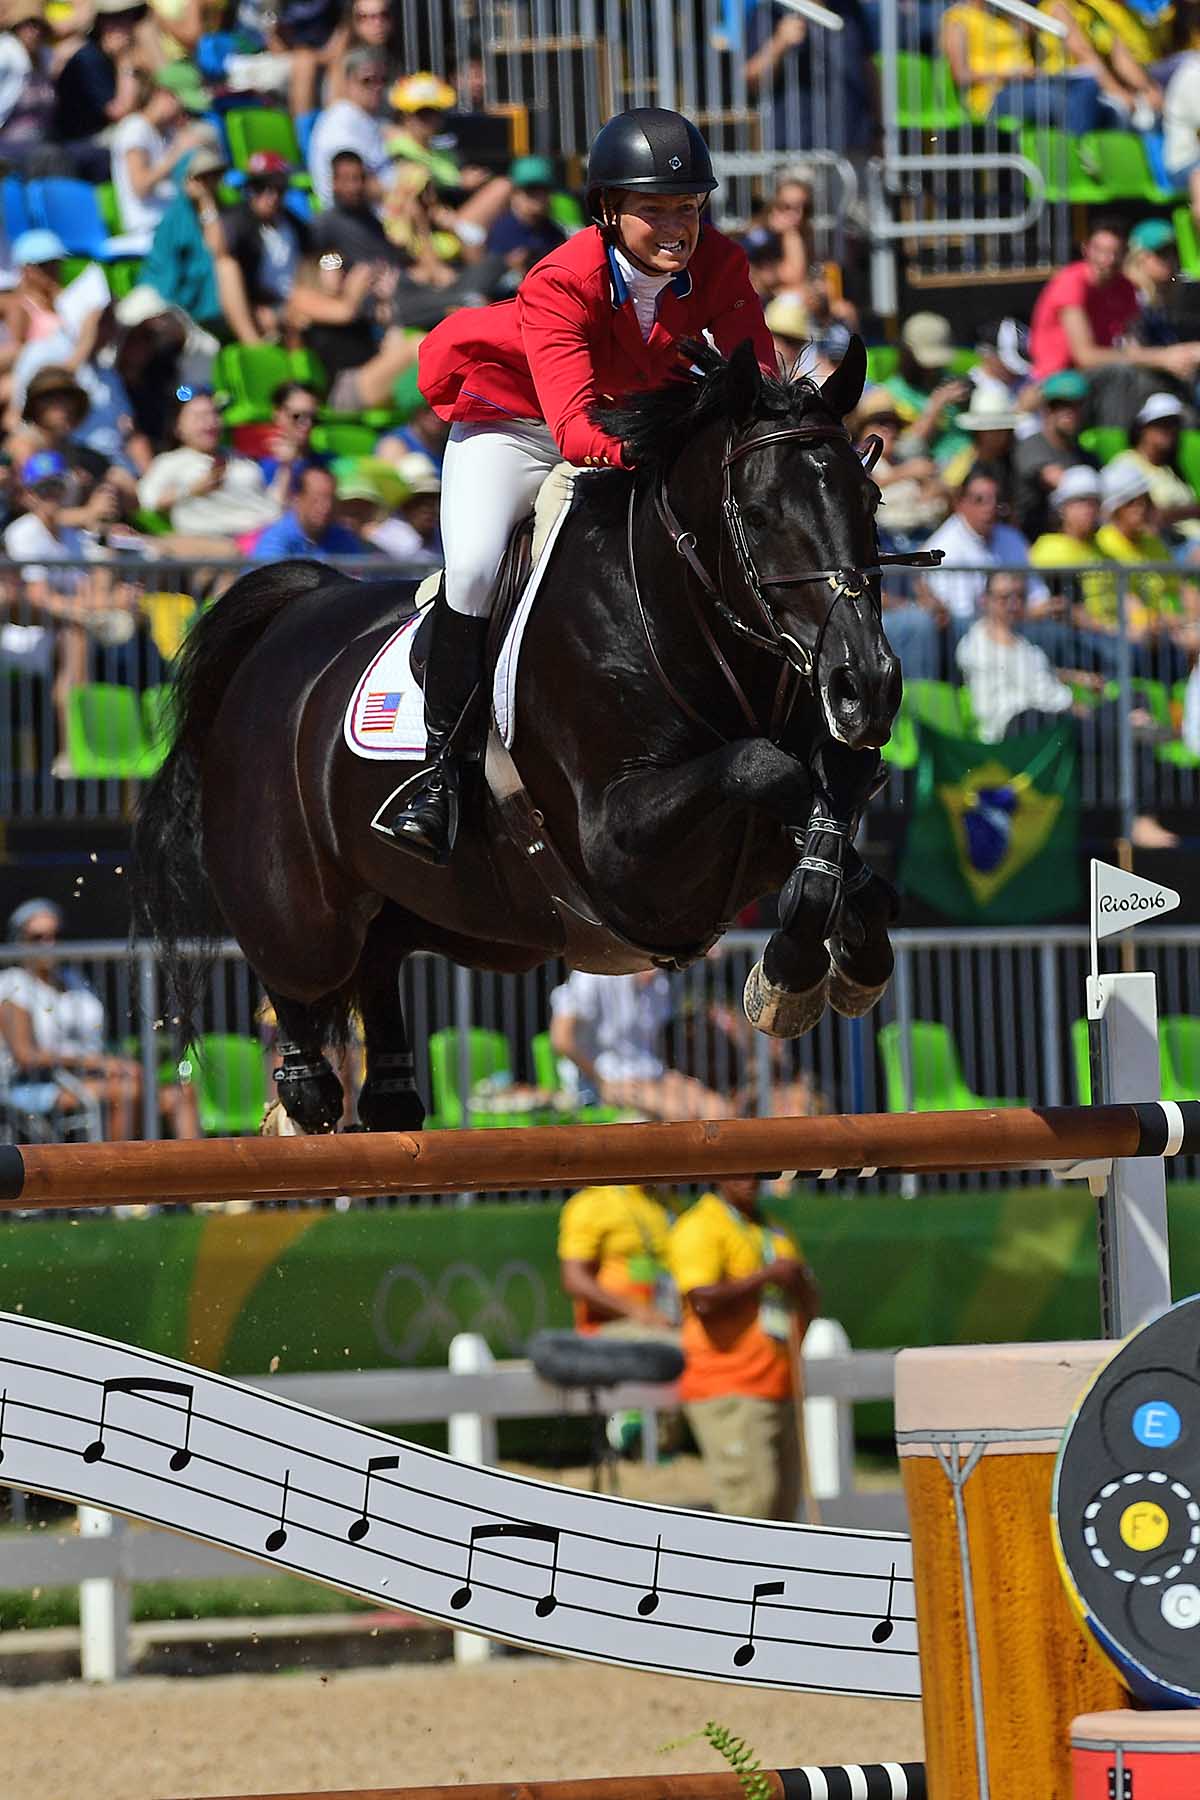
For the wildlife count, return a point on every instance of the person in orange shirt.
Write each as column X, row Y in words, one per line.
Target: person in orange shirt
column 740, row 1280
column 612, row 1260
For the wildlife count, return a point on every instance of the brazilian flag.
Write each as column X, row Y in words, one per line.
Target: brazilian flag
column 994, row 836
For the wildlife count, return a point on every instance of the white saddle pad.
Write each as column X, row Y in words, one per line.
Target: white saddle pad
column 385, row 720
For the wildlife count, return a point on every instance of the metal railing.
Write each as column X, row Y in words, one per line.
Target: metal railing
column 1007, row 997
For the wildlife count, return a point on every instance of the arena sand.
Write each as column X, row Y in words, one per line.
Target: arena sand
column 162, row 1739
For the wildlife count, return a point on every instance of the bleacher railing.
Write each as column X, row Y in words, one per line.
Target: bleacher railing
column 1007, row 997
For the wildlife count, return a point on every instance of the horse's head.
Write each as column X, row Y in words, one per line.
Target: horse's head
column 799, row 509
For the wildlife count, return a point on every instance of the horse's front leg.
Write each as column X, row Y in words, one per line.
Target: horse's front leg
column 832, row 943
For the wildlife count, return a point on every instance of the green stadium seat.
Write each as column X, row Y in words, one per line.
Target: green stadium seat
column 254, row 128
column 882, row 360
column 1104, row 441
column 1186, row 240
column 1179, row 1056
column 1119, row 160
column 230, row 1078
column 1155, row 696
column 489, row 1058
column 927, row 97
column 937, row 1077
column 106, row 739
column 344, row 438
column 156, row 717
column 547, row 1077
column 1189, row 458
column 901, row 749
column 1081, row 1056
column 1068, row 175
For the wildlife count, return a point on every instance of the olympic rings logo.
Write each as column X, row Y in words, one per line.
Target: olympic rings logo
column 411, row 1316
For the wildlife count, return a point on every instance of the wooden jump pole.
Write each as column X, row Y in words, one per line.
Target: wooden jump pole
column 554, row 1156
column 876, row 1781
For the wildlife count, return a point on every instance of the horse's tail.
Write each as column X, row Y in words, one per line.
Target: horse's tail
column 172, row 898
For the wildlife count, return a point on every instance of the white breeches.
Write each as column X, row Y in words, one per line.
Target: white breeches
column 490, row 480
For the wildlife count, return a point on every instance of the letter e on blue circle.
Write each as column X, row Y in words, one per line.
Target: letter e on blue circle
column 1157, row 1425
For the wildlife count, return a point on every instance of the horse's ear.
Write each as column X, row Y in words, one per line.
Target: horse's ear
column 745, row 381
column 843, row 389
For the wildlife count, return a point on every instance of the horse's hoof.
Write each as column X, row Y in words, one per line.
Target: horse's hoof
column 401, row 1111
column 778, row 1011
column 849, row 997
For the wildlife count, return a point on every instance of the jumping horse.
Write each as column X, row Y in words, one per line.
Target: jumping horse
column 704, row 688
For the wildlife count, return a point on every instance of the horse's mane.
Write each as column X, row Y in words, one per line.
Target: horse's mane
column 655, row 425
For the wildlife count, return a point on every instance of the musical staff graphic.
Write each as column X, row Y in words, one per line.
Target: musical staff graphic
column 763, row 1590
column 143, row 1384
column 362, row 1524
column 540, row 1565
column 649, row 1602
column 540, row 1534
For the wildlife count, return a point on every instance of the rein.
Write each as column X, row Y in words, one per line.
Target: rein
column 847, row 583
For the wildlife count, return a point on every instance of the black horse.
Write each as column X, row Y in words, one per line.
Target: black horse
column 704, row 687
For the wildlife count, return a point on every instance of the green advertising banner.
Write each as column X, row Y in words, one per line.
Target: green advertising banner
column 376, row 1288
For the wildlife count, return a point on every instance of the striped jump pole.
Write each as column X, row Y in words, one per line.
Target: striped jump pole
column 1064, row 1139
column 840, row 1781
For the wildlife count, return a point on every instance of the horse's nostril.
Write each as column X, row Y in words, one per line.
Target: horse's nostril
column 844, row 693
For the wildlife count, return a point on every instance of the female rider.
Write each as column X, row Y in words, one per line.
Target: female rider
column 602, row 315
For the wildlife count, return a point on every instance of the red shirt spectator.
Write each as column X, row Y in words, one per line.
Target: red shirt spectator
column 1111, row 306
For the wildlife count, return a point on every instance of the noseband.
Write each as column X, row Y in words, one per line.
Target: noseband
column 846, row 584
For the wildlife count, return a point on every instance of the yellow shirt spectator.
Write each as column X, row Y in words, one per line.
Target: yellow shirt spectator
column 621, row 1233
column 1057, row 550
column 1105, row 22
column 997, row 51
column 1159, row 594
column 736, row 1353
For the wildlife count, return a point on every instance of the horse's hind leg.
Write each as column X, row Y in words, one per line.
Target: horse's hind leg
column 308, row 1088
column 389, row 1100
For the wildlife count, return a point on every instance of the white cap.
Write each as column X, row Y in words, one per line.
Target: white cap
column 1159, row 406
column 418, row 475
column 1121, row 480
column 1077, row 483
column 989, row 410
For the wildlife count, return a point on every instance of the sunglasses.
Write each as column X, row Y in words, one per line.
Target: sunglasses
column 39, row 937
column 380, row 12
column 303, row 418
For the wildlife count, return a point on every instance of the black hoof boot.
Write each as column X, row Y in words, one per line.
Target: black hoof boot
column 310, row 1091
column 389, row 1101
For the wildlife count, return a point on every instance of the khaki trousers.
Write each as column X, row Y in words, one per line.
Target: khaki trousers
column 750, row 1454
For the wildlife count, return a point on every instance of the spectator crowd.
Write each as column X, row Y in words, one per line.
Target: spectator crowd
column 225, row 231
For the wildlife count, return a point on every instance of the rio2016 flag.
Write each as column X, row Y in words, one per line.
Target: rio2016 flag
column 994, row 837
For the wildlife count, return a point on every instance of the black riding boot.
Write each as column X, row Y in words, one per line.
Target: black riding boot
column 426, row 819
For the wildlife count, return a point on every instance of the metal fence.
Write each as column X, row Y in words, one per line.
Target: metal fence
column 1003, row 1004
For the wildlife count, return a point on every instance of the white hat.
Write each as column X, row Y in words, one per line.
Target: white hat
column 418, row 474
column 1076, row 483
column 1121, row 481
column 1159, row 406
column 989, row 410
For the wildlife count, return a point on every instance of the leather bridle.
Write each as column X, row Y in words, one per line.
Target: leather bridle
column 847, row 584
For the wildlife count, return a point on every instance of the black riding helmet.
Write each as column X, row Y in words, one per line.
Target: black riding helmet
column 651, row 150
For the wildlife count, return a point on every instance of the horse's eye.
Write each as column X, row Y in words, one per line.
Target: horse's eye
column 756, row 516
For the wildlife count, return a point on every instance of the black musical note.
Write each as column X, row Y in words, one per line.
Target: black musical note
column 362, row 1524
column 763, row 1590
column 539, row 1534
column 649, row 1602
column 278, row 1537
column 883, row 1631
column 138, row 1384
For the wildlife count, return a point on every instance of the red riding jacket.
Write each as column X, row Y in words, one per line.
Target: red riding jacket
column 571, row 337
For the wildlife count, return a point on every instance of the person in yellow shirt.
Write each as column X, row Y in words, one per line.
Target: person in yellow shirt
column 612, row 1245
column 740, row 1280
column 998, row 72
